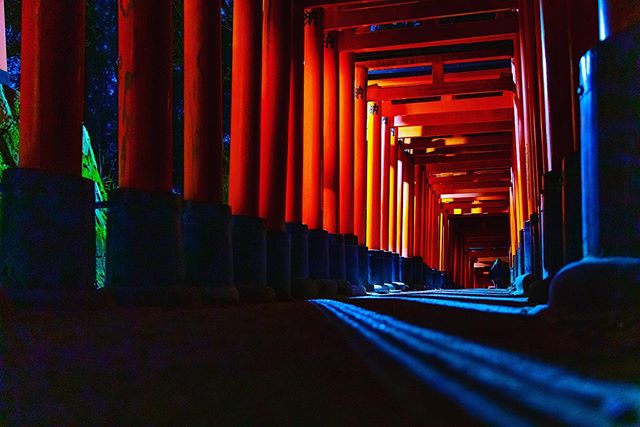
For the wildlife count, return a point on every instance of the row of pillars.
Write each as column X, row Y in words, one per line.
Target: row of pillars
column 306, row 193
column 574, row 205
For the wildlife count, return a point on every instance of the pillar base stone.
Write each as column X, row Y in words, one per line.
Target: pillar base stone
column 304, row 288
column 596, row 285
column 144, row 240
column 250, row 259
column 376, row 267
column 418, row 275
column 318, row 254
column 279, row 263
column 48, row 231
column 363, row 268
column 299, row 235
column 407, row 271
column 337, row 268
column 522, row 284
column 351, row 260
column 208, row 252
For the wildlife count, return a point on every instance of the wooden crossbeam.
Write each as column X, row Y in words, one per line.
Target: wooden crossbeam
column 445, row 58
column 431, row 33
column 480, row 140
column 463, row 158
column 466, row 165
column 484, row 211
column 471, row 177
column 505, row 100
column 461, row 149
column 458, row 117
column 395, row 11
column 459, row 129
column 471, row 187
column 467, row 205
column 378, row 93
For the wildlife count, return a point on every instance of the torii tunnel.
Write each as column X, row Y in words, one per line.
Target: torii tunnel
column 376, row 146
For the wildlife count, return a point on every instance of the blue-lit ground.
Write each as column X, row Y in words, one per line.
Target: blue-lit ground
column 446, row 357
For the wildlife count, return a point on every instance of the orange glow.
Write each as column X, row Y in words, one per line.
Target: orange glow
column 312, row 127
column 346, row 133
column 244, row 159
column 360, row 154
column 331, row 149
column 457, row 211
column 374, row 164
column 476, row 210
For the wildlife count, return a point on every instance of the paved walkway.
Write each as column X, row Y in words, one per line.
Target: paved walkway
column 448, row 358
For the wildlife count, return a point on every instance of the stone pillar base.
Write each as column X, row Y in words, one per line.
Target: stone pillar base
column 318, row 254
column 279, row 263
column 299, row 236
column 363, row 268
column 376, row 267
column 397, row 273
column 418, row 273
column 250, row 258
column 48, row 231
column 208, row 252
column 337, row 269
column 144, row 240
column 522, row 284
column 597, row 285
column 407, row 271
column 351, row 259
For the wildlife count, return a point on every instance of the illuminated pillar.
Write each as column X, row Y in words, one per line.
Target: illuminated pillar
column 608, row 278
column 313, row 144
column 3, row 39
column 274, row 122
column 249, row 236
column 48, row 219
column 331, row 159
column 144, row 243
column 385, row 184
column 360, row 154
column 346, row 97
column 393, row 183
column 374, row 163
column 206, row 221
column 298, row 232
column 360, row 170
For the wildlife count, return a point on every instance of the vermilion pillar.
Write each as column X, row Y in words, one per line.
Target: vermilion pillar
column 3, row 39
column 417, row 211
column 313, row 119
column 360, row 154
column 331, row 159
column 386, row 184
column 346, row 123
column 52, row 88
column 407, row 206
column 206, row 222
column 399, row 202
column 244, row 159
column 274, row 122
column 145, row 104
column 296, row 92
column 374, row 164
column 202, row 101
column 411, row 203
column 274, row 119
column 48, row 210
column 393, row 189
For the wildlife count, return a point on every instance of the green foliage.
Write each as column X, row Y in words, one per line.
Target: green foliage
column 9, row 141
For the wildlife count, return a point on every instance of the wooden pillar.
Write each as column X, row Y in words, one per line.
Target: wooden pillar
column 313, row 120
column 296, row 99
column 407, row 207
column 374, row 164
column 399, row 199
column 202, row 101
column 331, row 166
column 392, row 206
column 244, row 160
column 417, row 210
column 276, row 66
column 557, row 87
column 52, row 86
column 346, row 135
column 3, row 39
column 385, row 183
column 360, row 154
